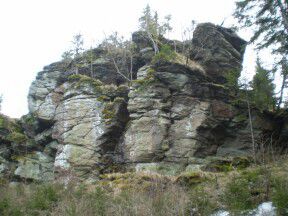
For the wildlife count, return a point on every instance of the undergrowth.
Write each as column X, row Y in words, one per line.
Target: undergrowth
column 198, row 194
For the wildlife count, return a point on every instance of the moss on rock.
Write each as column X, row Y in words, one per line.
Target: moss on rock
column 17, row 137
column 191, row 178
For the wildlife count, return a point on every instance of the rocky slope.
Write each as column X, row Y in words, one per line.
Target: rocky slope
column 174, row 116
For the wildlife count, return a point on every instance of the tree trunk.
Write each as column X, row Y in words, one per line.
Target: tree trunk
column 131, row 67
column 251, row 128
column 150, row 36
column 155, row 47
column 284, row 72
column 282, row 91
column 118, row 71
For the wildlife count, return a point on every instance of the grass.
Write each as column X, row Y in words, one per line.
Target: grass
column 195, row 193
column 280, row 196
column 75, row 200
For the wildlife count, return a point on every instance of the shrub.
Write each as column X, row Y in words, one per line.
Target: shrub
column 83, row 79
column 237, row 196
column 200, row 203
column 44, row 197
column 166, row 54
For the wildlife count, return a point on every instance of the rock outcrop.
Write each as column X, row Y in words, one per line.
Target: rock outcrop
column 219, row 50
column 176, row 115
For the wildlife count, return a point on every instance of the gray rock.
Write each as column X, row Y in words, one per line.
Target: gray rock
column 170, row 169
column 36, row 166
column 42, row 100
column 44, row 137
column 219, row 50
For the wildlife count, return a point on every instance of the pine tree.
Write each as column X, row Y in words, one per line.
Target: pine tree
column 269, row 20
column 149, row 23
column 263, row 88
column 1, row 99
column 77, row 45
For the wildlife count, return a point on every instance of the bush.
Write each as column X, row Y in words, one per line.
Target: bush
column 237, row 196
column 166, row 54
column 83, row 79
column 201, row 203
column 44, row 197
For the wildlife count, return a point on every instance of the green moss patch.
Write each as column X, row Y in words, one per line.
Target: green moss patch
column 237, row 163
column 17, row 137
column 191, row 178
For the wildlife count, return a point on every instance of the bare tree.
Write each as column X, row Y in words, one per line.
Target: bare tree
column 187, row 36
column 120, row 53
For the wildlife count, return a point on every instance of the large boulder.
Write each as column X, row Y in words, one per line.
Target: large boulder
column 219, row 50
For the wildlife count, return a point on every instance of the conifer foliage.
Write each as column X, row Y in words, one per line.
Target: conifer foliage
column 263, row 88
column 269, row 21
column 149, row 22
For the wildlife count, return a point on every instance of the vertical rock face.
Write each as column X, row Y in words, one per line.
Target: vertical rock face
column 148, row 128
column 82, row 117
column 78, row 126
column 176, row 115
column 42, row 99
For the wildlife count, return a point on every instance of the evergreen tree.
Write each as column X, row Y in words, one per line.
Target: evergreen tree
column 263, row 88
column 269, row 20
column 149, row 23
column 77, row 45
column 67, row 56
column 1, row 99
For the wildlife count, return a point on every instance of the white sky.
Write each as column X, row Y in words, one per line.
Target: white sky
column 35, row 33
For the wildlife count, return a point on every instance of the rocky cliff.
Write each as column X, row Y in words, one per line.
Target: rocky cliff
column 175, row 115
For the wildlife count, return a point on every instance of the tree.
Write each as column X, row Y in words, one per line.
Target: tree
column 269, row 20
column 149, row 23
column 89, row 57
column 78, row 43
column 284, row 72
column 120, row 53
column 263, row 88
column 76, row 51
column 67, row 56
column 187, row 36
column 245, row 85
column 1, row 99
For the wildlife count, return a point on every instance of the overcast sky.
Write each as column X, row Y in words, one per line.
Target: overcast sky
column 35, row 33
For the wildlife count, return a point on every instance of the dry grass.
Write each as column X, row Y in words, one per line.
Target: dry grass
column 143, row 194
column 194, row 66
